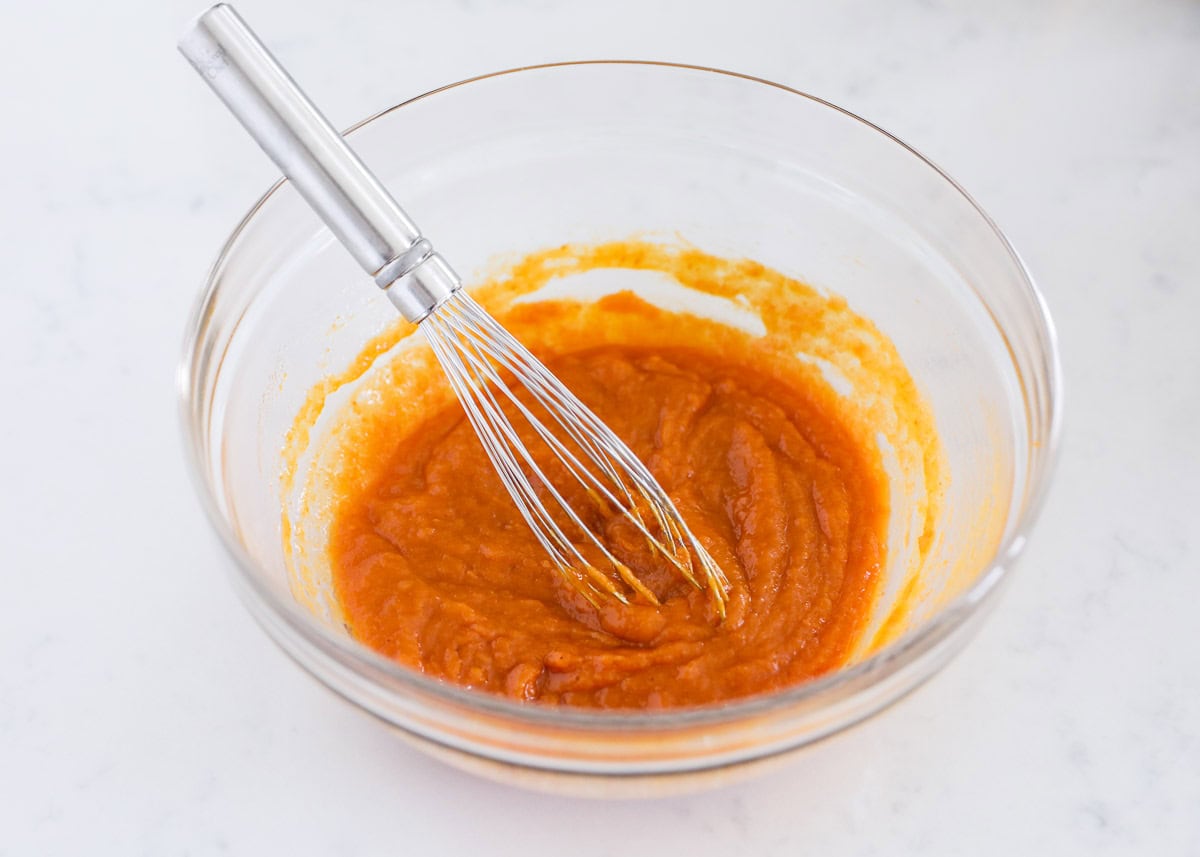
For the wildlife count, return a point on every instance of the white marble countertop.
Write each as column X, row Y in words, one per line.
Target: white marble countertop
column 141, row 710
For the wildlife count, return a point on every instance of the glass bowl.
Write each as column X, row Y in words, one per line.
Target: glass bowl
column 522, row 160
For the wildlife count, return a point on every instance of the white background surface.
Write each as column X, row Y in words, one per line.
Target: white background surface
column 142, row 712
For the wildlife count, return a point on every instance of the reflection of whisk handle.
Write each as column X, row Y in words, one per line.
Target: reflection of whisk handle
column 299, row 139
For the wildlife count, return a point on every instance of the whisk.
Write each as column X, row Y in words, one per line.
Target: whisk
column 477, row 354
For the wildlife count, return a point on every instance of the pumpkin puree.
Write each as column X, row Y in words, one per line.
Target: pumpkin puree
column 778, row 474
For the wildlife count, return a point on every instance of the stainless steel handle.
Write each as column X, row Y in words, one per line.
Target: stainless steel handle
column 300, row 140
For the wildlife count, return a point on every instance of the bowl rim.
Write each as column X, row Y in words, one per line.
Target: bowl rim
column 899, row 653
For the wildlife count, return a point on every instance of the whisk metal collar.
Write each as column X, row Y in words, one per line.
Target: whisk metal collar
column 418, row 281
column 405, row 263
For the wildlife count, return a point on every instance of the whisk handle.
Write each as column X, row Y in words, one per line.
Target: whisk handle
column 324, row 169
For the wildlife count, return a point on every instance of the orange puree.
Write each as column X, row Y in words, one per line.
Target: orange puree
column 778, row 474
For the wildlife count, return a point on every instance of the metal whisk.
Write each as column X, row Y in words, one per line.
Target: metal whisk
column 476, row 352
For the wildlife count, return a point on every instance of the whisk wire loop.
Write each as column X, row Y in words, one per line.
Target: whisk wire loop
column 474, row 350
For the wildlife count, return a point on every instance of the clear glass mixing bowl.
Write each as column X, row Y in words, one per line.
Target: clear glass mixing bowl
column 527, row 159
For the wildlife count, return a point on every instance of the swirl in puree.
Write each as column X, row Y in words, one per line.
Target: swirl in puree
column 780, row 475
